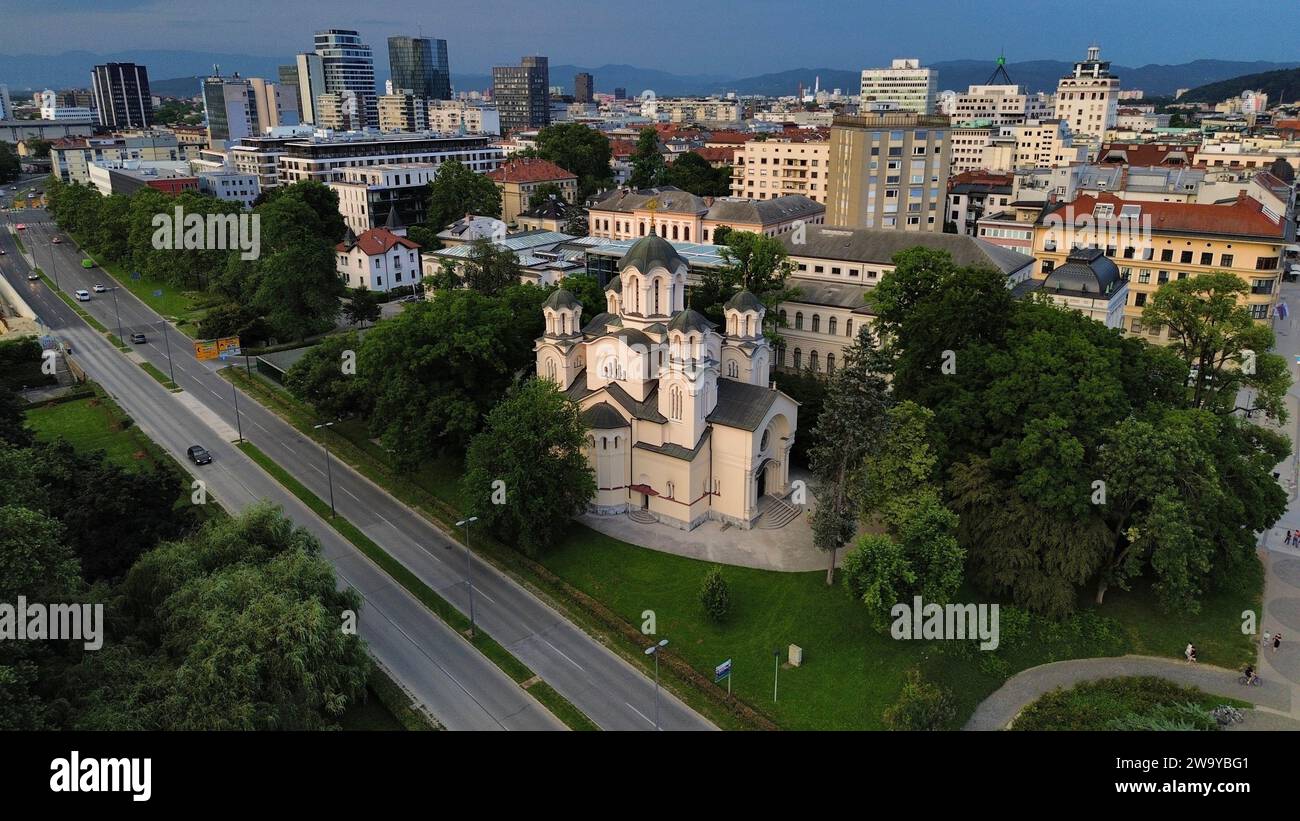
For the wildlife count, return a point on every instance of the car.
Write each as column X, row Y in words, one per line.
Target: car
column 100, row 289
column 87, row 263
column 56, row 240
column 21, row 226
column 198, row 455
column 138, row 339
column 2, row 252
column 33, row 277
column 83, row 296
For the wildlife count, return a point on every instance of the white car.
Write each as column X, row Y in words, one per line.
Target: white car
column 83, row 296
column 99, row 289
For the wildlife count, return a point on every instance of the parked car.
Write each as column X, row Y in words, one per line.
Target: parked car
column 83, row 296
column 56, row 240
column 138, row 339
column 86, row 263
column 198, row 455
column 99, row 289
column 21, row 226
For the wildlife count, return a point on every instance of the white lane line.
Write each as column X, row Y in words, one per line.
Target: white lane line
column 291, row 450
column 259, row 427
column 638, row 712
column 318, row 470
column 566, row 658
column 350, row 493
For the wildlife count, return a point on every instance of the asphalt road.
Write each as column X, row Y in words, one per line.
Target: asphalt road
column 457, row 683
column 609, row 690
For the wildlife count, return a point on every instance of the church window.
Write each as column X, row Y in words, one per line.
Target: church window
column 550, row 370
column 675, row 402
column 656, row 289
column 798, row 359
column 812, row 361
column 733, row 370
column 830, row 363
column 816, row 323
column 798, row 321
column 830, row 326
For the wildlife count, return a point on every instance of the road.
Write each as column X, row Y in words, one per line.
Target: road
column 440, row 669
column 605, row 687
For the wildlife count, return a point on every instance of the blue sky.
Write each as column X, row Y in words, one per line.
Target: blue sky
column 727, row 38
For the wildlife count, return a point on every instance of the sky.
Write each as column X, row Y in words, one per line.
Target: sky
column 722, row 37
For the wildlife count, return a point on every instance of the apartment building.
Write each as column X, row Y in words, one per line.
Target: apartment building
column 889, row 170
column 394, row 196
column 679, row 215
column 905, row 84
column 403, row 112
column 999, row 105
column 970, row 143
column 347, row 66
column 378, row 260
column 72, row 157
column 275, row 104
column 972, row 194
column 517, row 179
column 1157, row 242
column 326, row 157
column 230, row 110
column 1088, row 99
column 457, row 116
column 521, row 94
column 228, row 184
column 692, row 110
column 1044, row 143
column 782, row 166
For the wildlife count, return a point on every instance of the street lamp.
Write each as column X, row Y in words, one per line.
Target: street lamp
column 329, row 475
column 776, row 670
column 653, row 650
column 167, row 340
column 120, row 339
column 469, row 579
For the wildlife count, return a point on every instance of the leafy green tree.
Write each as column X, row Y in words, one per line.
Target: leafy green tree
column 297, row 290
column 544, row 192
column 38, row 148
column 425, row 236
column 10, row 167
column 715, row 595
column 321, row 379
column 13, row 422
column 691, row 172
column 648, row 167
column 532, row 442
column 721, row 233
column 459, row 190
column 489, row 269
column 446, row 279
column 362, row 306
column 878, row 574
column 112, row 234
column 922, row 705
column 576, row 223
column 902, row 468
column 580, row 149
column 755, row 262
column 322, row 199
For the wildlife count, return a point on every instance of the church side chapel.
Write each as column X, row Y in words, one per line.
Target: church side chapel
column 684, row 423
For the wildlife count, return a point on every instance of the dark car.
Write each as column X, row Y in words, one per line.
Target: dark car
column 138, row 339
column 198, row 455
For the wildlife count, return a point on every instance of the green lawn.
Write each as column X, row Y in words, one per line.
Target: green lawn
column 91, row 424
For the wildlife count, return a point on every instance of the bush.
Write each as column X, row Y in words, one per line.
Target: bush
column 715, row 596
column 1128, row 703
column 920, row 706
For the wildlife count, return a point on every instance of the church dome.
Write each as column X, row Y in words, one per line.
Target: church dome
column 690, row 320
column 561, row 299
column 744, row 301
column 602, row 416
column 651, row 251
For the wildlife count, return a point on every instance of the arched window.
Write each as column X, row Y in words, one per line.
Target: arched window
column 784, row 321
column 733, row 370
column 675, row 402
column 830, row 363
column 550, row 324
column 655, row 285
column 780, row 356
column 812, row 361
column 848, row 327
column 550, row 370
column 604, row 443
column 674, row 237
column 670, row 490
column 830, row 326
column 566, row 324
column 798, row 321
column 817, row 323
column 686, row 233
column 798, row 359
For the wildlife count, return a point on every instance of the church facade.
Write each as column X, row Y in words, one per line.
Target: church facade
column 684, row 423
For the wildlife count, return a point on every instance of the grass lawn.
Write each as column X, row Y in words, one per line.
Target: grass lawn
column 89, row 425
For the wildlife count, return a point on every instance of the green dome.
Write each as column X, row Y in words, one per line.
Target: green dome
column 651, row 251
column 744, row 301
column 690, row 320
column 561, row 299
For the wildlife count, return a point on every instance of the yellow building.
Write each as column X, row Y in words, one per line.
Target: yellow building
column 519, row 178
column 1157, row 242
column 763, row 169
column 889, row 171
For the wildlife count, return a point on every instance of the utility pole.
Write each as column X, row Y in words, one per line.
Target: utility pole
column 329, row 475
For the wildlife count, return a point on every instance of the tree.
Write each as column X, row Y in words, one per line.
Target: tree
column 902, row 468
column 10, row 167
column 489, row 269
column 648, row 167
column 542, row 193
column 856, row 404
column 323, row 200
column 13, row 422
column 691, row 172
column 425, row 236
column 459, row 190
column 715, row 595
column 323, row 379
column 1213, row 331
column 38, row 148
column 580, row 149
column 721, row 233
column 531, row 451
column 921, row 705
column 576, row 223
column 757, row 263
column 362, row 306
column 297, row 288
column 587, row 291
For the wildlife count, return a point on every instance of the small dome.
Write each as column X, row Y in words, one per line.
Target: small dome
column 561, row 299
column 615, row 285
column 602, row 416
column 651, row 251
column 690, row 320
column 744, row 301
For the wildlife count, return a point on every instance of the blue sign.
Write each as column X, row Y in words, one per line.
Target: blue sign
column 722, row 671
column 135, row 275
column 158, row 292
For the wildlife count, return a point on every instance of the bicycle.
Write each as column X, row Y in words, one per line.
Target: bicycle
column 1254, row 680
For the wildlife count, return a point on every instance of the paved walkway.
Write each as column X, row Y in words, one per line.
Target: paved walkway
column 1022, row 689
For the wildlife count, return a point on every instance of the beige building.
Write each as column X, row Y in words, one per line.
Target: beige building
column 889, row 171
column 681, row 216
column 402, row 112
column 1156, row 242
column 905, row 83
column 275, row 104
column 1044, row 144
column 683, row 424
column 692, row 110
column 517, row 180
column 1088, row 99
column 999, row 104
column 777, row 166
column 452, row 116
column 340, row 111
column 71, row 157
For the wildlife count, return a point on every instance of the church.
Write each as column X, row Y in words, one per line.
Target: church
column 684, row 423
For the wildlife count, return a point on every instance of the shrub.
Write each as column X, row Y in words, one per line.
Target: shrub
column 920, row 706
column 715, row 596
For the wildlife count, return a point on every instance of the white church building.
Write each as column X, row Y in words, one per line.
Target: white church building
column 684, row 422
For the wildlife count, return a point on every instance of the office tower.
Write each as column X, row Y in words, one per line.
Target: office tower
column 6, row 105
column 418, row 65
column 620, row 94
column 888, row 170
column 582, row 88
column 276, row 105
column 349, row 65
column 1088, row 99
column 520, row 93
column 311, row 84
column 122, row 95
column 230, row 109
column 904, row 85
column 287, row 78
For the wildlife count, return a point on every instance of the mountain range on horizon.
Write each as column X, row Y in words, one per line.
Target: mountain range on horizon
column 172, row 71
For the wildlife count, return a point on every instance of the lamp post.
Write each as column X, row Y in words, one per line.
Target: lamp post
column 239, row 425
column 118, row 312
column 776, row 670
column 171, row 369
column 653, row 650
column 329, row 475
column 469, row 579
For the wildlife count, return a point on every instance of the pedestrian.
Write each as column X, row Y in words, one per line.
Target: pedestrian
column 1277, row 641
column 1193, row 659
column 1287, row 540
column 1189, row 653
column 1268, row 639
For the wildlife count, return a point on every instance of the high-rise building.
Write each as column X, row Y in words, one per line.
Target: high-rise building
column 230, row 110
column 889, row 170
column 1088, row 99
column 904, row 84
column 276, row 104
column 6, row 105
column 349, row 65
column 311, row 84
column 287, row 79
column 520, row 93
column 620, row 94
column 582, row 88
column 341, row 111
column 402, row 112
column 122, row 95
column 419, row 66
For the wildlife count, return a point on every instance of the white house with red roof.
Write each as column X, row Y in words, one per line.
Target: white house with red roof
column 377, row 260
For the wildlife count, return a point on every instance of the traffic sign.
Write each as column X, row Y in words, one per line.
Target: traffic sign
column 722, row 671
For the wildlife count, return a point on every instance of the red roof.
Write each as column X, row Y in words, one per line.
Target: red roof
column 622, row 148
column 732, row 137
column 1147, row 154
column 725, row 154
column 377, row 241
column 530, row 169
column 979, row 178
column 1245, row 217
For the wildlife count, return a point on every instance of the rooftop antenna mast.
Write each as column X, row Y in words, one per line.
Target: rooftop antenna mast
column 1000, row 71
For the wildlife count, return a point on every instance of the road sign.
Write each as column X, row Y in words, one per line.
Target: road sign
column 722, row 671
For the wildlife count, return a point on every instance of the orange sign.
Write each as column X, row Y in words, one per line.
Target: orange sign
column 228, row 345
column 205, row 349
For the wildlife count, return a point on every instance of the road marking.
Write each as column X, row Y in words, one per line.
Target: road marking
column 638, row 712
column 561, row 652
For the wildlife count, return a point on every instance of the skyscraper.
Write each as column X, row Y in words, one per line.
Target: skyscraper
column 520, row 93
column 1088, row 99
column 904, row 85
column 311, row 84
column 349, row 65
column 230, row 109
column 122, row 95
column 276, row 103
column 419, row 65
column 6, row 106
column 582, row 88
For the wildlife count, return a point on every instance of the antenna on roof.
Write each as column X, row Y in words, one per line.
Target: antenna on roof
column 1000, row 71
